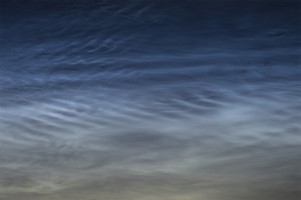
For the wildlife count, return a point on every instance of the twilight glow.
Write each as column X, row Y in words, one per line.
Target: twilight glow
column 150, row 100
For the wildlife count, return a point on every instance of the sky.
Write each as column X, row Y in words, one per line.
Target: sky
column 150, row 100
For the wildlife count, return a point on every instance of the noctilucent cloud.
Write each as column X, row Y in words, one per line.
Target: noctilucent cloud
column 150, row 100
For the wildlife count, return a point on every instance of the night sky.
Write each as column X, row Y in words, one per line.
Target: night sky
column 150, row 100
